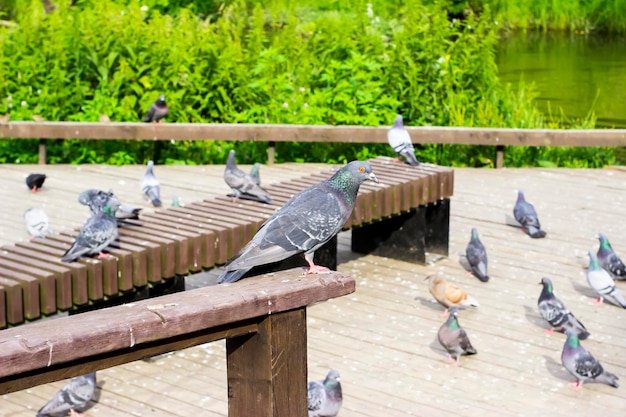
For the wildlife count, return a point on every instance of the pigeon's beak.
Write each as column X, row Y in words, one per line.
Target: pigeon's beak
column 372, row 177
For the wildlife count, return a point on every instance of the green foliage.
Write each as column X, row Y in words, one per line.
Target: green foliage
column 280, row 61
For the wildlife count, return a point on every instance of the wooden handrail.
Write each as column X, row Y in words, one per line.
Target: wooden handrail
column 498, row 137
column 263, row 320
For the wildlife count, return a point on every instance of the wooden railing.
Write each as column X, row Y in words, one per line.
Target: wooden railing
column 498, row 137
column 263, row 320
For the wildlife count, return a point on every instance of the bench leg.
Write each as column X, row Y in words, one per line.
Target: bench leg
column 408, row 236
column 267, row 371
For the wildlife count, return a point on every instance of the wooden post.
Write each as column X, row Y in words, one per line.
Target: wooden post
column 500, row 156
column 271, row 150
column 42, row 152
column 267, row 371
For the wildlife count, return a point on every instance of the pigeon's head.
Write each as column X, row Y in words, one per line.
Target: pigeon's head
column 520, row 195
column 474, row 233
column 572, row 337
column 255, row 169
column 231, row 158
column 547, row 283
column 454, row 311
column 398, row 121
column 362, row 171
column 604, row 241
column 111, row 206
column 161, row 100
column 333, row 375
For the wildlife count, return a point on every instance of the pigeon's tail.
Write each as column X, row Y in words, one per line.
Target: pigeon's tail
column 232, row 276
column 261, row 198
column 609, row 379
column 153, row 194
column 126, row 212
column 583, row 333
column 409, row 155
column 618, row 297
column 73, row 253
column 535, row 233
column 480, row 272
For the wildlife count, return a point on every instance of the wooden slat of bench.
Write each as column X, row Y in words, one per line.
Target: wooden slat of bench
column 139, row 263
column 181, row 242
column 3, row 308
column 167, row 248
column 238, row 231
column 266, row 210
column 249, row 227
column 78, row 272
column 14, row 301
column 58, row 244
column 30, row 291
column 258, row 216
column 45, row 280
column 153, row 255
column 405, row 188
column 197, row 241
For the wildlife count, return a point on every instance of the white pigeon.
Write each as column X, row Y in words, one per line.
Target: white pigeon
column 400, row 140
column 602, row 283
column 37, row 223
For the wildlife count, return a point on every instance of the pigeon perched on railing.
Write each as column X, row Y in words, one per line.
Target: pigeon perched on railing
column 96, row 234
column 96, row 199
column 448, row 294
column 243, row 185
column 157, row 111
column 400, row 140
column 525, row 214
column 554, row 312
column 609, row 260
column 304, row 224
column 37, row 222
column 477, row 257
column 580, row 363
column 324, row 397
column 601, row 282
column 150, row 186
column 75, row 395
column 454, row 338
column 34, row 182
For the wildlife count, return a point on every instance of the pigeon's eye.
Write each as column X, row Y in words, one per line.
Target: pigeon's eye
column 361, row 169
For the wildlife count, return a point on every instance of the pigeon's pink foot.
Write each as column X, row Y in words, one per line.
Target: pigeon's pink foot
column 316, row 269
column 598, row 300
column 458, row 361
column 396, row 159
column 445, row 313
column 75, row 413
column 575, row 385
column 448, row 359
column 35, row 189
column 103, row 255
column 549, row 331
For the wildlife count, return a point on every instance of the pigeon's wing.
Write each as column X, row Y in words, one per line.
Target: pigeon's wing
column 398, row 137
column 586, row 365
column 465, row 343
column 149, row 117
column 316, row 396
column 553, row 311
column 235, row 179
column 74, row 395
column 37, row 222
column 615, row 266
column 477, row 258
column 95, row 235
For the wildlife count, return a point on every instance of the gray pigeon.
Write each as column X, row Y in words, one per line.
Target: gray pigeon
column 96, row 199
column 175, row 201
column 580, row 363
column 75, row 395
column 477, row 257
column 255, row 174
column 305, row 223
column 324, row 397
column 242, row 184
column 601, row 282
column 150, row 186
column 96, row 234
column 525, row 214
column 454, row 339
column 609, row 260
column 554, row 312
column 400, row 140
column 37, row 223
column 157, row 111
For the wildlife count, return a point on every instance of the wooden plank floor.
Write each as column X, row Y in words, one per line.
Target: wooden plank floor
column 383, row 337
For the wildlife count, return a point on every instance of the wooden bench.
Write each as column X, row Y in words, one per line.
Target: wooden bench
column 405, row 217
column 263, row 320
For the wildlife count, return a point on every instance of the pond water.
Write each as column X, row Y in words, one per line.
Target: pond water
column 576, row 73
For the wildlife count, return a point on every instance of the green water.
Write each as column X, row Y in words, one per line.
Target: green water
column 575, row 73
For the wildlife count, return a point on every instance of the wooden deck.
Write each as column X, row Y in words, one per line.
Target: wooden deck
column 383, row 338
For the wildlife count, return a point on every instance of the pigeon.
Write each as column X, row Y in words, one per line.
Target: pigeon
column 150, row 186
column 242, row 184
column 305, row 223
column 254, row 173
column 525, row 214
column 580, row 363
column 448, row 294
column 157, row 111
column 35, row 181
column 602, row 283
column 96, row 199
column 96, row 234
column 554, row 312
column 175, row 201
column 324, row 397
column 37, row 223
column 454, row 339
column 75, row 395
column 400, row 141
column 477, row 257
column 609, row 260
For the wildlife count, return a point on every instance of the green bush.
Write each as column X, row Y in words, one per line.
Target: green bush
column 280, row 61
